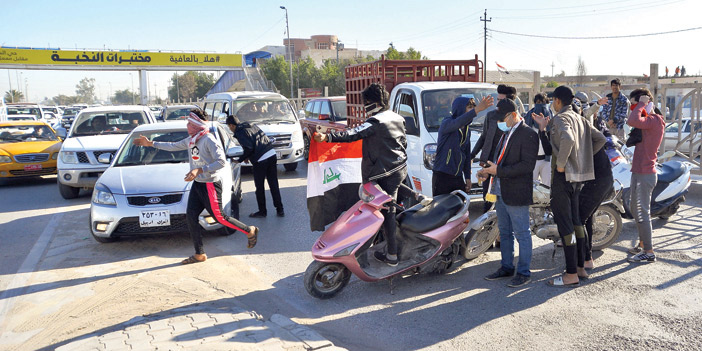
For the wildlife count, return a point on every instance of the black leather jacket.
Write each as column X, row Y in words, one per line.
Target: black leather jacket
column 384, row 144
column 253, row 140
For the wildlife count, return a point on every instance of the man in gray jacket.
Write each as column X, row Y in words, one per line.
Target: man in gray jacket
column 573, row 140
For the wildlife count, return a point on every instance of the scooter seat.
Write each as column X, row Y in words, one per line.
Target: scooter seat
column 669, row 171
column 431, row 216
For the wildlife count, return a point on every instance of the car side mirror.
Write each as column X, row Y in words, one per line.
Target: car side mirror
column 105, row 158
column 61, row 133
column 235, row 151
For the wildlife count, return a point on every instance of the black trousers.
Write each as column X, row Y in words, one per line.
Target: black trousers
column 565, row 205
column 486, row 185
column 390, row 185
column 267, row 170
column 591, row 197
column 442, row 183
column 208, row 196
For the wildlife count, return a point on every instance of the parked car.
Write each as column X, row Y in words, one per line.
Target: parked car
column 27, row 149
column 331, row 109
column 26, row 109
column 55, row 109
column 143, row 191
column 269, row 111
column 177, row 112
column 671, row 135
column 95, row 131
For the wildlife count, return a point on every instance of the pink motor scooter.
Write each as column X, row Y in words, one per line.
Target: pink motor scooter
column 427, row 240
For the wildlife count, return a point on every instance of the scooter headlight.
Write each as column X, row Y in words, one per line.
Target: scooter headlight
column 365, row 197
column 346, row 251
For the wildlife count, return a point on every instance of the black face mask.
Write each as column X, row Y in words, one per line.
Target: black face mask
column 372, row 108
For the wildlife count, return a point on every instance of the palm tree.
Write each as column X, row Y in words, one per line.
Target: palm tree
column 13, row 96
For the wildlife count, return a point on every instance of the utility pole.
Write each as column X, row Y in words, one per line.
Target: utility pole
column 485, row 20
column 552, row 65
column 287, row 29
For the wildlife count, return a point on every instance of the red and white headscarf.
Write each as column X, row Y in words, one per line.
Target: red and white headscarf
column 196, row 128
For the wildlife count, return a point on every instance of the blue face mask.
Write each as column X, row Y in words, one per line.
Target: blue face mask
column 503, row 126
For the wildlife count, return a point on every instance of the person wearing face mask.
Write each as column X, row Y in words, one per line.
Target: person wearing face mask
column 643, row 169
column 452, row 164
column 511, row 184
column 207, row 159
column 487, row 142
column 573, row 140
column 384, row 158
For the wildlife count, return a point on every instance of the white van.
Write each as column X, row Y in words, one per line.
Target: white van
column 269, row 111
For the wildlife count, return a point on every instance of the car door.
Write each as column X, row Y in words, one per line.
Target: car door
column 406, row 106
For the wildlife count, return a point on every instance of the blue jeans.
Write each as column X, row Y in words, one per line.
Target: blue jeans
column 513, row 222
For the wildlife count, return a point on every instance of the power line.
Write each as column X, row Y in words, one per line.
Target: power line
column 595, row 12
column 600, row 37
column 561, row 8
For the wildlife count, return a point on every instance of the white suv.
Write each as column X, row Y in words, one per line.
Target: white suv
column 95, row 131
column 269, row 111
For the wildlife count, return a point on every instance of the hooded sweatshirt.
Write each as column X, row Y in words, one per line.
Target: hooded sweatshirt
column 453, row 149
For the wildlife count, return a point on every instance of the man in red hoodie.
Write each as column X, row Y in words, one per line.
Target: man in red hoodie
column 643, row 167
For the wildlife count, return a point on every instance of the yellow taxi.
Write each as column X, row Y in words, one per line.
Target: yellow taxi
column 27, row 149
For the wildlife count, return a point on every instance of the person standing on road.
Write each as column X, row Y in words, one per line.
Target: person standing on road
column 384, row 156
column 572, row 140
column 258, row 149
column 452, row 164
column 207, row 159
column 615, row 112
column 542, row 170
column 487, row 143
column 512, row 184
column 643, row 169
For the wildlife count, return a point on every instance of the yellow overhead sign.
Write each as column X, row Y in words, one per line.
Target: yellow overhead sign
column 117, row 58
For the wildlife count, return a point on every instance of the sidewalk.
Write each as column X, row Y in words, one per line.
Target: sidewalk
column 206, row 327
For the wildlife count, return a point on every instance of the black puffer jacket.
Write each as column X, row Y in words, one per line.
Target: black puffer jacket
column 253, row 140
column 384, row 144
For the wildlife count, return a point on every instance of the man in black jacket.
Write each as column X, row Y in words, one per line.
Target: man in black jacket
column 259, row 150
column 490, row 136
column 512, row 169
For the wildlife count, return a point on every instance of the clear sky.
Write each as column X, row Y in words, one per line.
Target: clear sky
column 440, row 29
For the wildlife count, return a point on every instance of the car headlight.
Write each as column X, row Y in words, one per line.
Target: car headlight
column 5, row 159
column 54, row 156
column 103, row 196
column 69, row 157
column 297, row 135
column 429, row 156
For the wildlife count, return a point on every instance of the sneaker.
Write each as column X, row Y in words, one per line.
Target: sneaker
column 499, row 274
column 635, row 250
column 519, row 280
column 258, row 214
column 280, row 213
column 380, row 256
column 642, row 257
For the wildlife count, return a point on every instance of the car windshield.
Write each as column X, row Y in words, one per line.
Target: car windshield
column 18, row 110
column 174, row 114
column 132, row 155
column 21, row 118
column 264, row 110
column 437, row 105
column 339, row 109
column 106, row 122
column 50, row 109
column 13, row 134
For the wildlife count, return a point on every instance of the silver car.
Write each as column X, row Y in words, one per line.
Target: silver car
column 143, row 191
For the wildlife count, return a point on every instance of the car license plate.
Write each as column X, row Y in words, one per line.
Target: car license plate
column 155, row 218
column 32, row 167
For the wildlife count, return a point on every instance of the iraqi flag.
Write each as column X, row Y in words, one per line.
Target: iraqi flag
column 501, row 68
column 333, row 178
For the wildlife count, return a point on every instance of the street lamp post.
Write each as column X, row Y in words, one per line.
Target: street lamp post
column 132, row 92
column 287, row 29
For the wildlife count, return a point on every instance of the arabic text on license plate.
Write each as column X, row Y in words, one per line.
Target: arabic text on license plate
column 155, row 218
column 32, row 167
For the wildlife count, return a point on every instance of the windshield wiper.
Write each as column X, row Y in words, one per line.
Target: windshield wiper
column 277, row 120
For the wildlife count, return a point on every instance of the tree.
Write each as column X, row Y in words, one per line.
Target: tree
column 410, row 54
column 191, row 85
column 277, row 70
column 581, row 70
column 552, row 84
column 13, row 96
column 125, row 97
column 61, row 99
column 85, row 90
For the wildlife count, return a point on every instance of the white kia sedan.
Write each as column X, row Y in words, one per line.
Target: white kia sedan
column 143, row 191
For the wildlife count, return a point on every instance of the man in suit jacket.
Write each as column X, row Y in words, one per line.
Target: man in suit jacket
column 514, row 161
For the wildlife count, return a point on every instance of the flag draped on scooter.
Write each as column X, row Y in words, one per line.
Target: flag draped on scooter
column 333, row 178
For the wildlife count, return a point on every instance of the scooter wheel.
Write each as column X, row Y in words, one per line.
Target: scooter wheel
column 324, row 280
column 607, row 225
column 477, row 242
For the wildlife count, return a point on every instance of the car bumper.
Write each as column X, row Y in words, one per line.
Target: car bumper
column 16, row 170
column 80, row 178
column 123, row 219
column 287, row 155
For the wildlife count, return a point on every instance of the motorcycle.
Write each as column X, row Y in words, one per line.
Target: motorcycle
column 428, row 239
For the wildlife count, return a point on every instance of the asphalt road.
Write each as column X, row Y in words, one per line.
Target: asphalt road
column 59, row 284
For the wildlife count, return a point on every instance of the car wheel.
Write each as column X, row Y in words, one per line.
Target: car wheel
column 289, row 167
column 306, row 140
column 68, row 192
